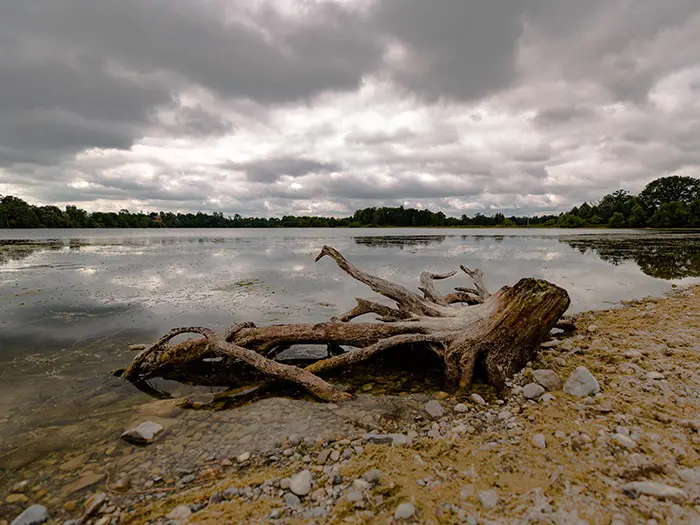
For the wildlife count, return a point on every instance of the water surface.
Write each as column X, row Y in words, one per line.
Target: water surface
column 72, row 300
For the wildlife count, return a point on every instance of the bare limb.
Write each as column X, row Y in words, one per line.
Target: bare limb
column 427, row 286
column 404, row 298
column 357, row 356
column 365, row 306
column 461, row 297
column 478, row 278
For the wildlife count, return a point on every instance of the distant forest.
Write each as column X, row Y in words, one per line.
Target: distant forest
column 668, row 202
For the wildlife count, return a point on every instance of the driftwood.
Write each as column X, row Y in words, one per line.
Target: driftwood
column 468, row 328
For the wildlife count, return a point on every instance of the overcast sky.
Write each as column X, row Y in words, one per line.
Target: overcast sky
column 324, row 106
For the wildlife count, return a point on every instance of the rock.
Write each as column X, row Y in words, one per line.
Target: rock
column 478, row 399
column 581, row 383
column 549, row 379
column 143, row 434
column 294, row 440
column 546, row 398
column 652, row 376
column 404, row 511
column 180, row 512
column 580, row 441
column 592, row 329
column 361, row 485
column 231, row 493
column 300, row 484
column 385, row 439
column 624, row 441
column 323, row 456
column 372, row 475
column 489, row 498
column 285, row 483
column 460, row 408
column 86, row 480
column 504, row 415
column 32, row 516
column 121, row 485
column 136, row 348
column 291, row 500
column 539, row 441
column 22, row 486
column 657, row 490
column 434, row 409
column 559, row 361
column 215, row 498
column 189, row 478
column 467, row 492
column 532, row 391
column 353, row 496
column 16, row 498
column 93, row 503
column 692, row 424
column 550, row 344
column 243, row 457
column 70, row 506
column 335, row 455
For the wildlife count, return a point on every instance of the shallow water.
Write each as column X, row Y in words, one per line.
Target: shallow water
column 72, row 300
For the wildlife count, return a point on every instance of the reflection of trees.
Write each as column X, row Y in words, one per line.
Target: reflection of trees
column 18, row 250
column 400, row 240
column 665, row 256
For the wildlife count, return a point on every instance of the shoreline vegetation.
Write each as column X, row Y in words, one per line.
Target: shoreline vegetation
column 617, row 444
column 668, row 202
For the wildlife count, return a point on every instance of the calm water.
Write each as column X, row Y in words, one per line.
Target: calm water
column 72, row 300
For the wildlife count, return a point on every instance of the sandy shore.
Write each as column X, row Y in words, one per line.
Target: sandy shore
column 626, row 454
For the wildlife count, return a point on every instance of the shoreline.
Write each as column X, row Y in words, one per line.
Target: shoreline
column 557, row 458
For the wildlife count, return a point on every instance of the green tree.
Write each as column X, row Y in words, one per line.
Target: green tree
column 670, row 189
column 638, row 216
column 670, row 215
column 617, row 220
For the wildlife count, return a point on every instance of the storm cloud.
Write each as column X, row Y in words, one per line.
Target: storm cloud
column 323, row 106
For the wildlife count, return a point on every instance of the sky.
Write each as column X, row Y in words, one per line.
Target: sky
column 272, row 107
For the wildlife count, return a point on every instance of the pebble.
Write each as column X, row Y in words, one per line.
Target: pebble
column 21, row 486
column 32, row 516
column 16, row 498
column 539, row 441
column 404, row 511
column 285, row 483
column 624, row 441
column 478, row 399
column 354, row 496
column 549, row 379
column 294, row 440
column 533, row 391
column 372, row 475
column 434, row 409
column 335, row 455
column 657, row 490
column 231, row 493
column 300, row 483
column 460, row 408
column 121, row 485
column 361, row 484
column 546, row 398
column 291, row 500
column 189, row 478
column 180, row 512
column 94, row 502
column 592, row 329
column 581, row 383
column 243, row 457
column 143, row 434
column 323, row 456
column 652, row 376
column 489, row 498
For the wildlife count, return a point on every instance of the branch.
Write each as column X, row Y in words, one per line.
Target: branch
column 404, row 298
column 478, row 278
column 304, row 378
column 357, row 356
column 428, row 286
column 461, row 297
column 365, row 306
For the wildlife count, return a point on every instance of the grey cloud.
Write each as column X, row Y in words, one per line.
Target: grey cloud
column 562, row 114
column 270, row 170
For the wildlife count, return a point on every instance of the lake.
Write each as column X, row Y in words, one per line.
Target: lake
column 71, row 301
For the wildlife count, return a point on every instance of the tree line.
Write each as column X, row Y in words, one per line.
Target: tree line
column 668, row 202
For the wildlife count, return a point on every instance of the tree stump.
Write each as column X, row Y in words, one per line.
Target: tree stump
column 467, row 328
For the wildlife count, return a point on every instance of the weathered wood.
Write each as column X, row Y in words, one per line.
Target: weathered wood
column 499, row 332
